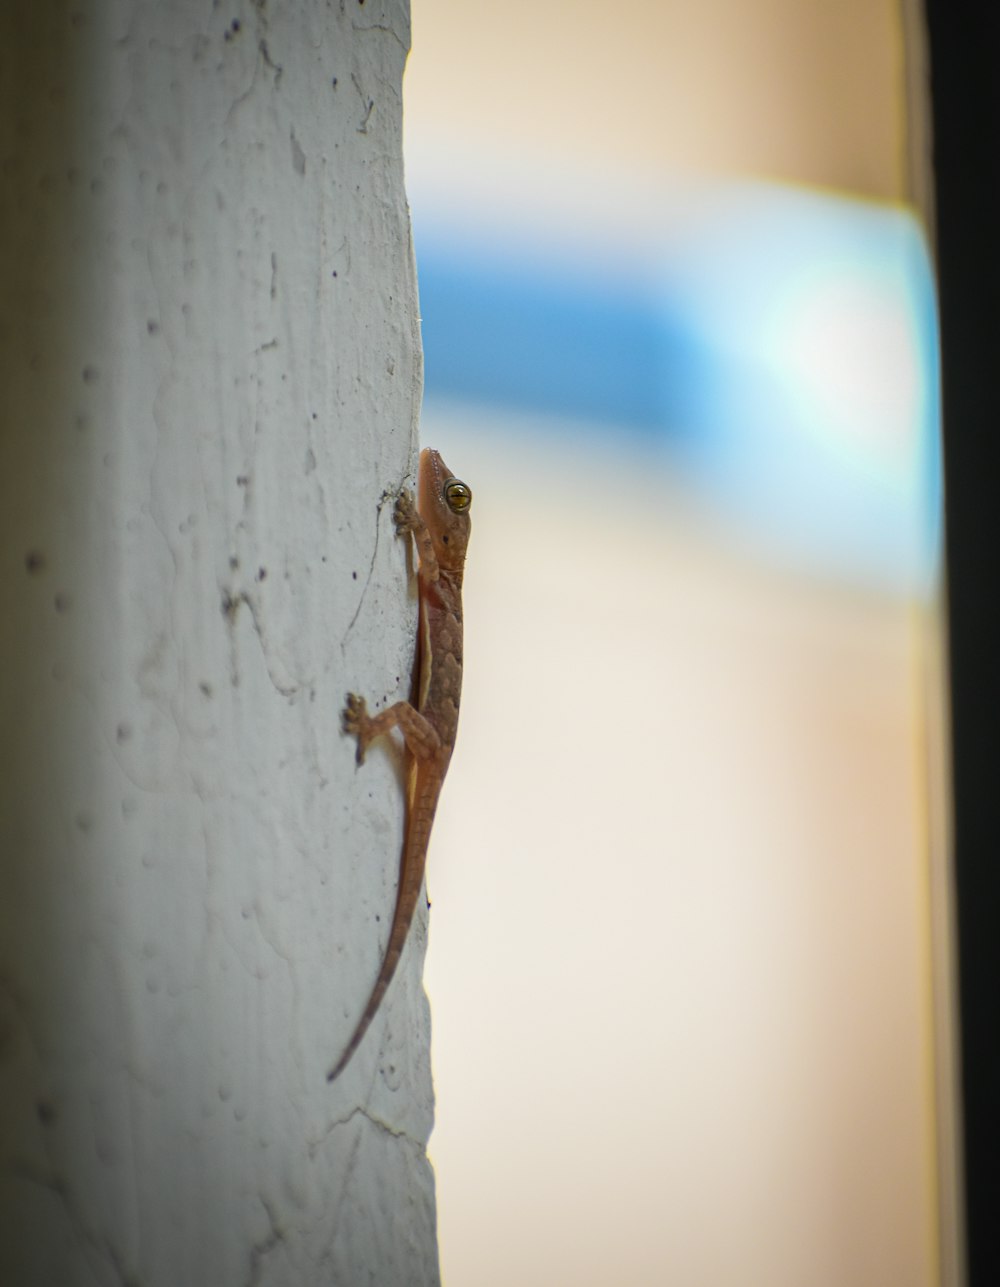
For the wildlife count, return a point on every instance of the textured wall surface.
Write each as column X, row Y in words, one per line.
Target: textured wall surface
column 208, row 328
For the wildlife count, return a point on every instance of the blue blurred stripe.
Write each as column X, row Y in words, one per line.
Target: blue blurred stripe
column 704, row 354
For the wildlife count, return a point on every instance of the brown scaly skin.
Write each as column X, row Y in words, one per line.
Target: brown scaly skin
column 439, row 525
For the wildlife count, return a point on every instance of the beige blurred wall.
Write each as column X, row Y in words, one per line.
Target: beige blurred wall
column 680, row 951
column 806, row 91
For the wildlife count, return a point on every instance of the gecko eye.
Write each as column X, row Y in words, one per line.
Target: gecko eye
column 458, row 495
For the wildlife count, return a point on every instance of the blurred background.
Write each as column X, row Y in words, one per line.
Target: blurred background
column 689, row 960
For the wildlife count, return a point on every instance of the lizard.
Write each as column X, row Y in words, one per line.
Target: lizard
column 439, row 525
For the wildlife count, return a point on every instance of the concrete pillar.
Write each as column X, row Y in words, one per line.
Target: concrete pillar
column 211, row 379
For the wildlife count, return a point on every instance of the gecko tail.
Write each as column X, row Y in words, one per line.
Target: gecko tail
column 381, row 987
column 364, row 1023
column 411, row 882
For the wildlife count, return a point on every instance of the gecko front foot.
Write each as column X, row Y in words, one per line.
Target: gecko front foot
column 354, row 721
column 404, row 513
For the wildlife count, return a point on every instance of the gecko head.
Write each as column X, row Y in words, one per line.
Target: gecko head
column 444, row 502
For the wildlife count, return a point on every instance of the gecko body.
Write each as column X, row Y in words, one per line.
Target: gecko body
column 439, row 525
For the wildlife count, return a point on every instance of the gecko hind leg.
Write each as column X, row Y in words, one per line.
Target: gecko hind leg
column 421, row 737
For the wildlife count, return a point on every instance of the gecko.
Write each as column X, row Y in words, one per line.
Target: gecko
column 439, row 524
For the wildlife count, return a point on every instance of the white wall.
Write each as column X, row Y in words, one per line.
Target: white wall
column 212, row 375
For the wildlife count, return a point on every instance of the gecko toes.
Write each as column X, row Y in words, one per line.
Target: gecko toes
column 403, row 512
column 353, row 718
column 353, row 713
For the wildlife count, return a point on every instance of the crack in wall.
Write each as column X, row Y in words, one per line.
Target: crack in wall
column 261, row 1250
column 382, row 501
column 380, row 1124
